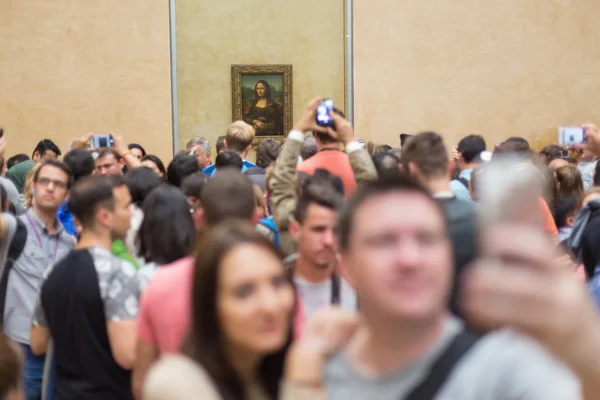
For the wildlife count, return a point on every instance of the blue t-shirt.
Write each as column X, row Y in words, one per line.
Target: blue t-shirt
column 211, row 169
column 66, row 218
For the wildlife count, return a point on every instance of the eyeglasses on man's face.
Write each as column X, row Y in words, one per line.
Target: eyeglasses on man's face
column 45, row 182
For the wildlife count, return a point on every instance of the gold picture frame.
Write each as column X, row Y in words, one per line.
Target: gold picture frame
column 262, row 96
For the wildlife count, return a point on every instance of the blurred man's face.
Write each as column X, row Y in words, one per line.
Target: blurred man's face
column 202, row 157
column 122, row 212
column 51, row 188
column 47, row 155
column 108, row 165
column 399, row 257
column 316, row 236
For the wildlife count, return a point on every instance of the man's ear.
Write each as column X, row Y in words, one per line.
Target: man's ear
column 570, row 220
column 200, row 219
column 256, row 215
column 413, row 170
column 122, row 162
column 294, row 230
column 36, row 156
column 225, row 144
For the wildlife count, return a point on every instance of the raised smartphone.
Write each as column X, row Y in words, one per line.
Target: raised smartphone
column 571, row 135
column 99, row 141
column 324, row 111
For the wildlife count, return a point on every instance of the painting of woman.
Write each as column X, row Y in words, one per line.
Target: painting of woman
column 263, row 113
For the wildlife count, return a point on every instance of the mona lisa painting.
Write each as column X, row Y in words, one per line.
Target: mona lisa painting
column 262, row 97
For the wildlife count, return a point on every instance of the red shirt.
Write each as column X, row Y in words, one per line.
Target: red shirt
column 334, row 161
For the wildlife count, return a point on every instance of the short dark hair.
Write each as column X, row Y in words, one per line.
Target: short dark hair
column 321, row 193
column 309, row 147
column 140, row 182
column 267, row 152
column 137, row 146
column 220, row 144
column 57, row 164
column 471, row 147
column 193, row 185
column 157, row 161
column 107, row 151
column 552, row 152
column 562, row 207
column 166, row 210
column 428, row 152
column 228, row 195
column 91, row 193
column 229, row 159
column 46, row 145
column 514, row 144
column 388, row 183
column 16, row 159
column 81, row 163
column 180, row 167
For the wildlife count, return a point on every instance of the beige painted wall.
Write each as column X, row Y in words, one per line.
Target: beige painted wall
column 211, row 36
column 69, row 67
column 498, row 67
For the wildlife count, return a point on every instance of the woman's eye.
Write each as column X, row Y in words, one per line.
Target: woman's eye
column 244, row 291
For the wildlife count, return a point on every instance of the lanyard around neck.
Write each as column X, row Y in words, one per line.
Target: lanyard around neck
column 39, row 239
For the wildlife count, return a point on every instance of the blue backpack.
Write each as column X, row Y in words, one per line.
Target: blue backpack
column 269, row 223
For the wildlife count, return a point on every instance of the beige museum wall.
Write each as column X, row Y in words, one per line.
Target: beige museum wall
column 211, row 36
column 499, row 67
column 69, row 67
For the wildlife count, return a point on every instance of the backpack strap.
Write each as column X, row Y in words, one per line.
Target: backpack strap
column 464, row 181
column 441, row 369
column 17, row 244
column 335, row 290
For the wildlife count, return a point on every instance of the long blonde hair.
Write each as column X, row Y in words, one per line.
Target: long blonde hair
column 28, row 187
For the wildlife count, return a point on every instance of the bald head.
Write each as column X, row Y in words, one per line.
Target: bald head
column 557, row 163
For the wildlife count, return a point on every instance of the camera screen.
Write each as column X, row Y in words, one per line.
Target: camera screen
column 571, row 135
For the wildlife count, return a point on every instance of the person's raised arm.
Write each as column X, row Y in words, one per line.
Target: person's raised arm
column 361, row 162
column 282, row 188
column 120, row 146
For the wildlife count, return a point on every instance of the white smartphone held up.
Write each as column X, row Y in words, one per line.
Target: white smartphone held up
column 571, row 135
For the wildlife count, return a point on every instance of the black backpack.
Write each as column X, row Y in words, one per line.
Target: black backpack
column 17, row 244
column 464, row 181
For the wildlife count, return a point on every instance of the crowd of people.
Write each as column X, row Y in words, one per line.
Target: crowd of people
column 330, row 268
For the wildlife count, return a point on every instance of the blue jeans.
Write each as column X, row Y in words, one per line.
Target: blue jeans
column 34, row 373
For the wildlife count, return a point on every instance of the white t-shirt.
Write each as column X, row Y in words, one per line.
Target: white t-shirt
column 316, row 296
column 587, row 173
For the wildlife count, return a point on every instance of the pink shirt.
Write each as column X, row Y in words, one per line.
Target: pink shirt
column 166, row 307
column 165, row 310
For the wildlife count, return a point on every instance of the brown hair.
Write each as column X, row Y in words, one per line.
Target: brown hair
column 267, row 152
column 228, row 194
column 11, row 365
column 239, row 136
column 428, row 152
column 205, row 341
column 568, row 181
column 107, row 151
